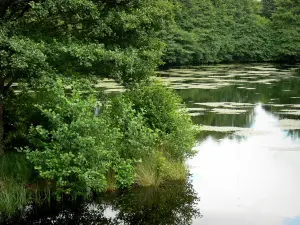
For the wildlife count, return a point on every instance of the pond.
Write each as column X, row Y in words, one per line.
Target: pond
column 246, row 169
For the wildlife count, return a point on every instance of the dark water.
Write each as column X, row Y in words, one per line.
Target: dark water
column 173, row 203
column 247, row 168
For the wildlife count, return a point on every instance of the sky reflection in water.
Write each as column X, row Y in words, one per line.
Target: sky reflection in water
column 249, row 181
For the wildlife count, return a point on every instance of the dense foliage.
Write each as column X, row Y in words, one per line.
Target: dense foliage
column 286, row 25
column 113, row 39
column 208, row 31
column 84, row 143
column 67, row 143
column 164, row 113
column 75, row 148
column 80, row 141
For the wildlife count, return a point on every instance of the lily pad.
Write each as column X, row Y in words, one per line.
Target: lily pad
column 221, row 129
column 228, row 111
column 289, row 124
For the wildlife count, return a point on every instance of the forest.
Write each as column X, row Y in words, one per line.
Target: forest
column 208, row 31
column 62, row 137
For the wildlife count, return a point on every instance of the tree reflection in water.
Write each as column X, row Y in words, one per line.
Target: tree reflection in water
column 174, row 203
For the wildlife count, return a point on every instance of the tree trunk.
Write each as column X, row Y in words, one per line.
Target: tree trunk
column 4, row 88
column 1, row 127
column 1, row 115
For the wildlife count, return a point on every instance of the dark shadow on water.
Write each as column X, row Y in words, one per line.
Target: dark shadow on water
column 173, row 203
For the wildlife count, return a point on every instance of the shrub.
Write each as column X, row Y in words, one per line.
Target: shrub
column 75, row 147
column 138, row 140
column 164, row 113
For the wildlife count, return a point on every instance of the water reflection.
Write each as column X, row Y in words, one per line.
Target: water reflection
column 282, row 88
column 292, row 221
column 254, row 180
column 174, row 203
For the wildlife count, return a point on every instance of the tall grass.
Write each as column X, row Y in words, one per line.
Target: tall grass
column 14, row 174
column 158, row 169
column 12, row 196
column 147, row 174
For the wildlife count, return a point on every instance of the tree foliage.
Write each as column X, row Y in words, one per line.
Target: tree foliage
column 286, row 26
column 49, row 38
column 268, row 7
column 208, row 31
column 92, row 38
column 75, row 138
column 74, row 147
column 164, row 113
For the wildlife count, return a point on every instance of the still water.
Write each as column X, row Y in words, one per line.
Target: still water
column 247, row 168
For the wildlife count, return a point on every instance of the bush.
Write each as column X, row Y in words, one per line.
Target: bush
column 75, row 147
column 157, row 130
column 164, row 113
column 138, row 140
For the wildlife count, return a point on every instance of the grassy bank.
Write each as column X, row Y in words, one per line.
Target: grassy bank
column 14, row 175
column 17, row 187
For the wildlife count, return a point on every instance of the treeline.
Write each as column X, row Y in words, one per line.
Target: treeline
column 210, row 31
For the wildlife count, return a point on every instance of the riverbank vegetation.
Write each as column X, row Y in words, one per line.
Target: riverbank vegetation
column 61, row 136
column 78, row 141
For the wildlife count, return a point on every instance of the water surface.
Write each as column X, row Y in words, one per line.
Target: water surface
column 248, row 173
column 247, row 168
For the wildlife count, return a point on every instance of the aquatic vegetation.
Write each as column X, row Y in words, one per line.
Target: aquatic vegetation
column 196, row 109
column 15, row 172
column 13, row 196
column 289, row 124
column 115, row 90
column 228, row 111
column 195, row 114
column 225, row 104
column 251, row 133
column 248, row 78
column 157, row 169
column 289, row 112
column 221, row 129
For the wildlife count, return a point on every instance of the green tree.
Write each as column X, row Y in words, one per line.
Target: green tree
column 192, row 40
column 249, row 32
column 114, row 39
column 268, row 7
column 286, row 25
column 217, row 30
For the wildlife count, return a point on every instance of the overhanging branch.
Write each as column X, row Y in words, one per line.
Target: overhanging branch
column 6, row 87
column 16, row 7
